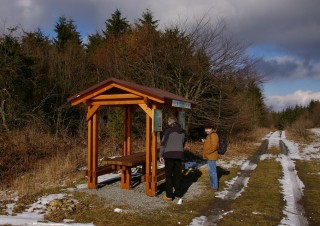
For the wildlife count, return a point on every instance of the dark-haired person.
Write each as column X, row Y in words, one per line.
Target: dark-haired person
column 210, row 153
column 171, row 154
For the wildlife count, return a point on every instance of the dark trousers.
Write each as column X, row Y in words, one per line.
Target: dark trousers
column 173, row 177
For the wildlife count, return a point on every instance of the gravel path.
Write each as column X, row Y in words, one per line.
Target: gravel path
column 135, row 199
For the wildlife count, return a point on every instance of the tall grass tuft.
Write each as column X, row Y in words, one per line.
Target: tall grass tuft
column 30, row 155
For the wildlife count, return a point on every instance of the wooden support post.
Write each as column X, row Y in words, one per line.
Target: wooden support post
column 129, row 129
column 127, row 124
column 92, row 154
column 148, row 156
column 154, row 162
column 125, row 178
column 89, row 156
column 124, row 153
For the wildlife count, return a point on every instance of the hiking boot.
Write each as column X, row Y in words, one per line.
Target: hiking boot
column 166, row 198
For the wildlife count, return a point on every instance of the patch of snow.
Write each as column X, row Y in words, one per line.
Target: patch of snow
column 292, row 190
column 33, row 214
column 198, row 221
column 291, row 183
column 266, row 156
column 230, row 164
column 245, row 165
column 118, row 210
column 274, row 138
column 108, row 177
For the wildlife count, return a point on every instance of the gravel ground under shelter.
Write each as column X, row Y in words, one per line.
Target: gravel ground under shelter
column 136, row 199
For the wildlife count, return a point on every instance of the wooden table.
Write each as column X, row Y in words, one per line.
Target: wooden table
column 125, row 163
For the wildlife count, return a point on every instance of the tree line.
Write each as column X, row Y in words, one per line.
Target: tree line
column 298, row 118
column 198, row 61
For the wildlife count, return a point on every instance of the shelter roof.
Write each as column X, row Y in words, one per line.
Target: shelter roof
column 116, row 88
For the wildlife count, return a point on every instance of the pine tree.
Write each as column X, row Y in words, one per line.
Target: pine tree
column 66, row 32
column 94, row 41
column 117, row 25
column 147, row 20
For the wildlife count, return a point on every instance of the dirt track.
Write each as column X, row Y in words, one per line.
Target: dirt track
column 294, row 211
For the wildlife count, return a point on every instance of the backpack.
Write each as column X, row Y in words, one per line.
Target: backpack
column 222, row 146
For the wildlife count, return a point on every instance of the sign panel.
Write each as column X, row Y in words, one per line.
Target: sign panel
column 181, row 104
column 156, row 120
column 182, row 119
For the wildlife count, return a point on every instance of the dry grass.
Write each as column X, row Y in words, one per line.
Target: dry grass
column 309, row 173
column 33, row 159
column 245, row 145
column 298, row 136
column 241, row 145
column 60, row 170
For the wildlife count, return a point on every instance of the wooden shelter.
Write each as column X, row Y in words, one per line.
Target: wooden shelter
column 129, row 96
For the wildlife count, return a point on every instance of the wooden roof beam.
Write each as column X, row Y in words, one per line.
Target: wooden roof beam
column 117, row 102
column 116, row 96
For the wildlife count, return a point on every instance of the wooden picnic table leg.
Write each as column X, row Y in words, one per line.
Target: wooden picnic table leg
column 143, row 170
column 126, row 178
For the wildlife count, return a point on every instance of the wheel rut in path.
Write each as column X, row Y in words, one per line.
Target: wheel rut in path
column 292, row 191
column 222, row 205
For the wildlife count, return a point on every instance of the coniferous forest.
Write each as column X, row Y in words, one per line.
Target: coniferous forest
column 198, row 62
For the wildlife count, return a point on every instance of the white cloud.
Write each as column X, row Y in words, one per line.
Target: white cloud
column 300, row 97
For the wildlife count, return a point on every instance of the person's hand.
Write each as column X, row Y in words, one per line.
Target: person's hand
column 161, row 160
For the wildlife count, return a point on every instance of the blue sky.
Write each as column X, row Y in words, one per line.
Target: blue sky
column 283, row 34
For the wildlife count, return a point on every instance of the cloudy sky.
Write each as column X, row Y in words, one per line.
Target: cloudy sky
column 284, row 34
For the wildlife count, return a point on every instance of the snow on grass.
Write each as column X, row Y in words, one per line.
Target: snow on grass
column 233, row 163
column 291, row 183
column 274, row 138
column 34, row 214
column 292, row 191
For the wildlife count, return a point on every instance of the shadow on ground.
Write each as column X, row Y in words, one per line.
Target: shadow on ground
column 189, row 176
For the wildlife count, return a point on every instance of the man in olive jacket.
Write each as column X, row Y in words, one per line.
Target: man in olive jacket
column 210, row 153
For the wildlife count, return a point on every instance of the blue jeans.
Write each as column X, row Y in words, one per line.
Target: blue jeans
column 212, row 171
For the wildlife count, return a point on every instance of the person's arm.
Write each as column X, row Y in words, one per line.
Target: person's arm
column 162, row 148
column 214, row 142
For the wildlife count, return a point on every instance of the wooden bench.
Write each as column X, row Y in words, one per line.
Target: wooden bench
column 125, row 163
column 132, row 160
